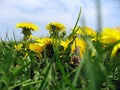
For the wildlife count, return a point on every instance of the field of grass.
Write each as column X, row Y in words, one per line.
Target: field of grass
column 82, row 60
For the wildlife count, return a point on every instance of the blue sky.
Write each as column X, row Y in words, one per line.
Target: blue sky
column 41, row 12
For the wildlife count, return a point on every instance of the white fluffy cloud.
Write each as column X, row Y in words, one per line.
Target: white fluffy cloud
column 42, row 12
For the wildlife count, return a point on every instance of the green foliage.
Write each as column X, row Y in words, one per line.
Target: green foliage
column 98, row 72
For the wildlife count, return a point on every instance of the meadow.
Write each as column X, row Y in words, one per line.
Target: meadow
column 83, row 60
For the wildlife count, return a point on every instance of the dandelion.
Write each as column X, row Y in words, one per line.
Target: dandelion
column 42, row 45
column 48, row 46
column 77, row 50
column 45, row 40
column 109, row 35
column 65, row 43
column 27, row 28
column 85, row 31
column 78, row 42
column 55, row 28
column 36, row 47
column 27, row 25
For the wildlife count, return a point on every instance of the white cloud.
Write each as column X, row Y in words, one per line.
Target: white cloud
column 16, row 9
column 26, row 4
column 42, row 12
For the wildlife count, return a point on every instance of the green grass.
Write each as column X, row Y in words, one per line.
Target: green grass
column 96, row 72
column 93, row 72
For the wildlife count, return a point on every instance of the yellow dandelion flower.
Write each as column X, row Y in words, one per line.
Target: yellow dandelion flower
column 45, row 40
column 28, row 26
column 40, row 45
column 36, row 47
column 115, row 49
column 85, row 31
column 55, row 26
column 109, row 35
column 77, row 43
column 48, row 46
column 65, row 43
